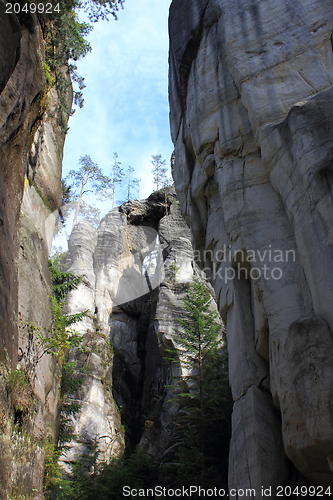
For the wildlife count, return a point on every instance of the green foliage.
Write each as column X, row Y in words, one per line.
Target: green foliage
column 49, row 77
column 90, row 479
column 65, row 41
column 201, row 335
column 56, row 487
column 71, row 380
column 52, row 469
column 174, row 270
column 58, row 342
column 139, row 471
column 20, row 391
column 61, row 339
column 203, row 395
column 17, row 378
column 84, row 474
column 58, row 261
column 62, row 282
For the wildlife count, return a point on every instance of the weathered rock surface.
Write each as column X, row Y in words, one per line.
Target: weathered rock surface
column 135, row 271
column 30, row 190
column 98, row 417
column 122, row 388
column 19, row 110
column 251, row 119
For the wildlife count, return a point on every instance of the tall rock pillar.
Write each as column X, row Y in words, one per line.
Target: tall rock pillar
column 251, row 96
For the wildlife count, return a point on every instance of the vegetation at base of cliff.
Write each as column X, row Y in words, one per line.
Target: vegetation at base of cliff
column 203, row 424
column 59, row 342
column 52, row 469
column 90, row 479
column 202, row 428
column 54, row 484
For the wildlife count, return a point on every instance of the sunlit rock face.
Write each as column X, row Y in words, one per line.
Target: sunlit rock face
column 136, row 269
column 251, row 102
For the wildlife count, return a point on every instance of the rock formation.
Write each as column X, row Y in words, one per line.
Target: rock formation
column 31, row 142
column 135, row 271
column 125, row 332
column 251, row 101
column 251, row 116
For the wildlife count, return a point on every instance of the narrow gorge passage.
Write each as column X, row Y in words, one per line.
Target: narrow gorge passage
column 250, row 93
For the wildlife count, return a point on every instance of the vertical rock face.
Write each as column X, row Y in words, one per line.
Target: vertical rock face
column 135, row 270
column 20, row 86
column 121, row 389
column 31, row 145
column 251, row 102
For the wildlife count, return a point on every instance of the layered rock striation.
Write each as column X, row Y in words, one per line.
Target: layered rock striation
column 135, row 270
column 31, row 142
column 251, row 101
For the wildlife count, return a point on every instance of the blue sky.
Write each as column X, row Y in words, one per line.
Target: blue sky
column 125, row 99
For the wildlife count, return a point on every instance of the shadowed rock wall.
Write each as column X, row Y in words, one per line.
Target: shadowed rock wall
column 251, row 101
column 136, row 270
column 123, row 398
column 31, row 143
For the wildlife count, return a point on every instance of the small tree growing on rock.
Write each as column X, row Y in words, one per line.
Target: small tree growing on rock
column 132, row 186
column 117, row 176
column 159, row 171
column 88, row 175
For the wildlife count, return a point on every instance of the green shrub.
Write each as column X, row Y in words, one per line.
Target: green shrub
column 20, row 391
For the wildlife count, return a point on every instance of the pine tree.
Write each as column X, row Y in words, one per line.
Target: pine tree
column 132, row 185
column 203, row 392
column 159, row 171
column 117, row 176
column 115, row 179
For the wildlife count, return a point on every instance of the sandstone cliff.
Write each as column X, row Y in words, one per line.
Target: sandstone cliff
column 31, row 142
column 135, row 270
column 251, row 101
